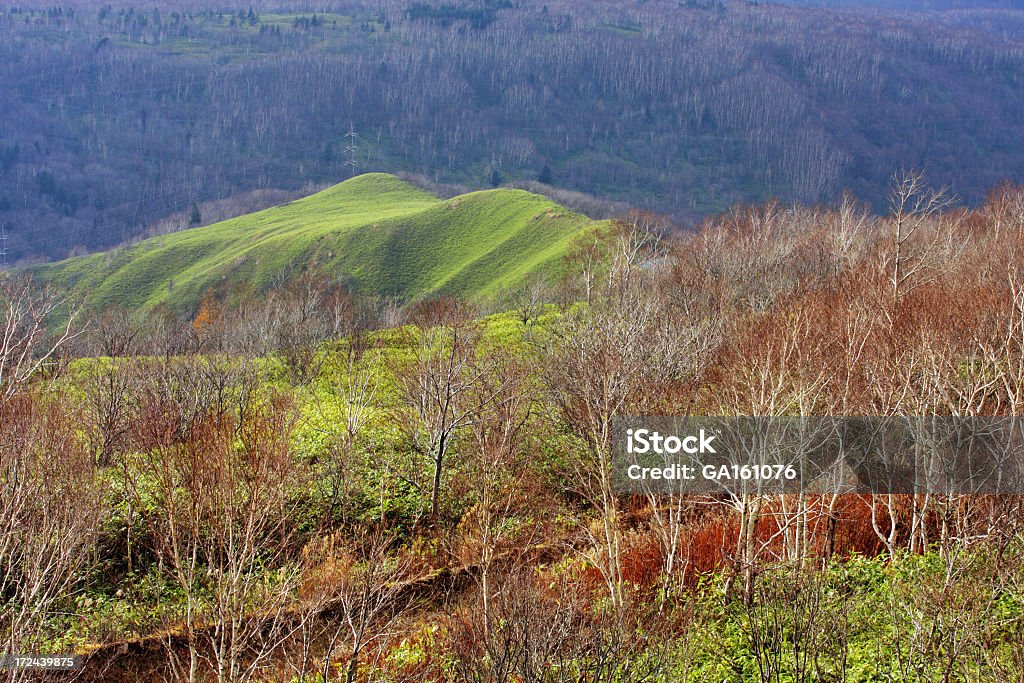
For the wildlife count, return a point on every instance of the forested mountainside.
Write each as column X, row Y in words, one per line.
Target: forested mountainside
column 911, row 5
column 115, row 116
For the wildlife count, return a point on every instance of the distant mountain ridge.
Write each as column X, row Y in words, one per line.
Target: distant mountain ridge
column 906, row 5
column 116, row 117
column 375, row 231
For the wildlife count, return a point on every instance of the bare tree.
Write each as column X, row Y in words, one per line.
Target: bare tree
column 494, row 526
column 851, row 224
column 51, row 510
column 362, row 592
column 796, row 628
column 26, row 344
column 304, row 322
column 1005, row 210
column 529, row 633
column 356, row 388
column 219, row 518
column 436, row 395
column 528, row 301
column 776, row 373
column 672, row 515
column 109, row 386
column 624, row 340
column 922, row 240
column 50, row 500
column 945, row 620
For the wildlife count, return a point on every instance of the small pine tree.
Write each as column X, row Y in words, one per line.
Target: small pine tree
column 545, row 175
column 195, row 218
column 495, row 177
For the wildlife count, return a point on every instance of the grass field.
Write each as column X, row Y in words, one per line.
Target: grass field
column 376, row 231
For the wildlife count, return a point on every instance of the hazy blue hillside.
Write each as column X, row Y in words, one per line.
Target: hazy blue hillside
column 116, row 116
column 916, row 5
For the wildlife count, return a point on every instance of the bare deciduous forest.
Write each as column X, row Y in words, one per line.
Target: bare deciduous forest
column 373, row 433
column 312, row 486
column 116, row 116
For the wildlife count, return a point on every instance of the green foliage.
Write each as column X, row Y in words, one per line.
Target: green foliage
column 379, row 233
column 865, row 619
column 877, row 621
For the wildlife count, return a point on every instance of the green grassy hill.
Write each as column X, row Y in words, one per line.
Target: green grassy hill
column 382, row 234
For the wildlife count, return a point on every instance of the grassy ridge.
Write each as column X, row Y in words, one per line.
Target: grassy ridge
column 377, row 231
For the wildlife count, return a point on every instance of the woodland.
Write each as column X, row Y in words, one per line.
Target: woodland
column 115, row 116
column 312, row 485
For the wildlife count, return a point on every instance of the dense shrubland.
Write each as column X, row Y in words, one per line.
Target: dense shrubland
column 118, row 116
column 315, row 485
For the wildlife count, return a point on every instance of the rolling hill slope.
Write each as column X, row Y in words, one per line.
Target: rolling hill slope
column 380, row 233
